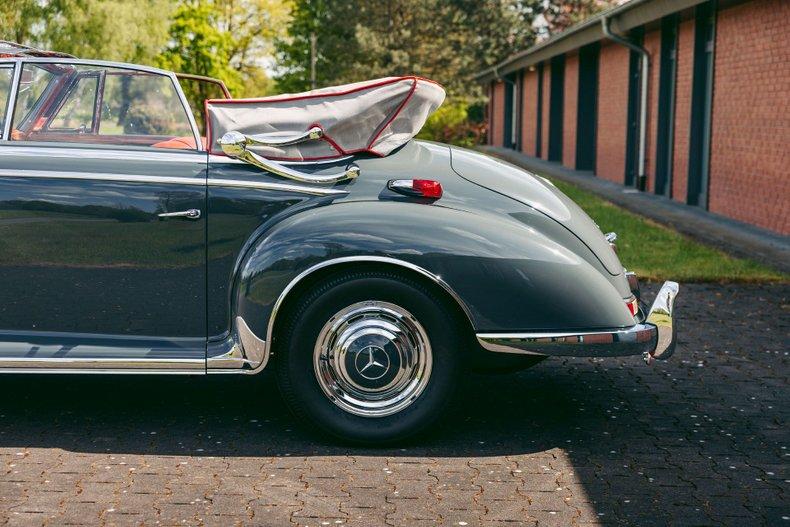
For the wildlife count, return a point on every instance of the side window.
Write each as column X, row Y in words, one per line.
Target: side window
column 77, row 111
column 6, row 75
column 95, row 105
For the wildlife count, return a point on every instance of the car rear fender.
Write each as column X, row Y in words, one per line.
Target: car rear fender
column 504, row 276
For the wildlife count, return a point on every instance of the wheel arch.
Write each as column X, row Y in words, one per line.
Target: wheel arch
column 318, row 272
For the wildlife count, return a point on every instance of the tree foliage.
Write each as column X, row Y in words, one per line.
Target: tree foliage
column 446, row 40
column 560, row 15
column 227, row 39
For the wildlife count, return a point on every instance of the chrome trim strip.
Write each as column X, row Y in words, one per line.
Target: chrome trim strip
column 101, row 176
column 635, row 340
column 100, row 363
column 378, row 259
column 72, row 150
column 88, row 62
column 188, row 110
column 9, row 117
column 174, row 180
column 267, row 185
column 104, row 371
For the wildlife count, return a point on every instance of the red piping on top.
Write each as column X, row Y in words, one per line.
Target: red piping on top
column 278, row 98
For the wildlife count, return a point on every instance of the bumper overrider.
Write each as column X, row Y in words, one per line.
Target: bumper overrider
column 653, row 338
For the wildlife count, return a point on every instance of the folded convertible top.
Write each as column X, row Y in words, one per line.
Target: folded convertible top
column 374, row 116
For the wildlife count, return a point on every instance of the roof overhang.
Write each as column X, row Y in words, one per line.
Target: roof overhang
column 621, row 19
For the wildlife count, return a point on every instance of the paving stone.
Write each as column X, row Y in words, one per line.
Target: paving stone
column 698, row 440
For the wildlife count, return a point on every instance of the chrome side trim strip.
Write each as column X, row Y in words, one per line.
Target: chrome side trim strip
column 636, row 340
column 268, row 185
column 74, row 150
column 103, row 371
column 173, row 180
column 377, row 259
column 102, row 176
column 35, row 364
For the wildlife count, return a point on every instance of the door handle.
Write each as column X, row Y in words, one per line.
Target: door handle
column 191, row 214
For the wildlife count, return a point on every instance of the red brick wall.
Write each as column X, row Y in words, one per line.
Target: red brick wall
column 497, row 125
column 685, row 66
column 652, row 43
column 569, row 113
column 612, row 112
column 544, row 138
column 529, row 112
column 750, row 132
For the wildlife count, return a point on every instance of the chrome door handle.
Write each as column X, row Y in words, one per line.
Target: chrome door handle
column 191, row 214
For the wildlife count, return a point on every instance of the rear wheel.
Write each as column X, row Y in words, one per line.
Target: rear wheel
column 369, row 357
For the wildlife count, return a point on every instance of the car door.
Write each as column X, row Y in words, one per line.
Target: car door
column 102, row 224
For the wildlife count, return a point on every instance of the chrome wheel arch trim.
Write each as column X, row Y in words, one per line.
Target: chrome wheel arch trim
column 436, row 279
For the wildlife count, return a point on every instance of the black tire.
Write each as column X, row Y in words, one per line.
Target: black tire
column 296, row 372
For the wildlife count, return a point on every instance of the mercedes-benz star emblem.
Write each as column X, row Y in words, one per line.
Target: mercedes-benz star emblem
column 372, row 363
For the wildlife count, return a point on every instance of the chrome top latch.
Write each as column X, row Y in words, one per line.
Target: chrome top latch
column 236, row 145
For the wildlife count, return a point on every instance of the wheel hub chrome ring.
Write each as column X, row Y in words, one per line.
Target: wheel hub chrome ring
column 372, row 358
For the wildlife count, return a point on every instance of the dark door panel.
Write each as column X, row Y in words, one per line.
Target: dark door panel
column 83, row 250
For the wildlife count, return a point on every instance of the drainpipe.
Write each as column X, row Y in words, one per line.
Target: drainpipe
column 645, row 63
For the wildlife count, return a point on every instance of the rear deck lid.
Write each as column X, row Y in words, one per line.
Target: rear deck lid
column 538, row 193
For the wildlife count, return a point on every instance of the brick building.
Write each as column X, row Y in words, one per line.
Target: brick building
column 715, row 129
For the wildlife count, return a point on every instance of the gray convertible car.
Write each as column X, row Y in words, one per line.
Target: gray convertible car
column 151, row 224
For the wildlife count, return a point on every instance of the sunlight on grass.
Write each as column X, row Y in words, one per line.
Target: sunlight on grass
column 655, row 252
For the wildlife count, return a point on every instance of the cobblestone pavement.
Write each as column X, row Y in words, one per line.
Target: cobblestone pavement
column 699, row 440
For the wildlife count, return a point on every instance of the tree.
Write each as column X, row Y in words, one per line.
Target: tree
column 107, row 29
column 562, row 14
column 19, row 17
column 226, row 39
column 334, row 32
column 447, row 40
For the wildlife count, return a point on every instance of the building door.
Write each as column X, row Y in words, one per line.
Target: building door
column 632, row 133
column 666, row 105
column 587, row 112
column 556, row 104
column 507, row 128
column 701, row 102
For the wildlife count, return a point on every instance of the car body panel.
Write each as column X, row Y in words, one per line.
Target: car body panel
column 85, row 253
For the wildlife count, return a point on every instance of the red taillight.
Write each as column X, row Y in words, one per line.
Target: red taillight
column 423, row 188
column 633, row 306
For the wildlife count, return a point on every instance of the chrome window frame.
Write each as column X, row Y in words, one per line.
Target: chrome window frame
column 19, row 62
column 11, row 101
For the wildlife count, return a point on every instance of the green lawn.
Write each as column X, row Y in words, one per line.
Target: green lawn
column 655, row 252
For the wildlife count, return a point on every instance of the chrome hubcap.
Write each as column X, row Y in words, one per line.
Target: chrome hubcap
column 372, row 359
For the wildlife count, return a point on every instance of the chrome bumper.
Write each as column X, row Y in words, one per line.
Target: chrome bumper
column 654, row 338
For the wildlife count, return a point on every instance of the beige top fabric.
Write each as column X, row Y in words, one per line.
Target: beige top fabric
column 374, row 116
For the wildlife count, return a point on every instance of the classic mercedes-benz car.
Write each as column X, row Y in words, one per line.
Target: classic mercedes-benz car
column 151, row 224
